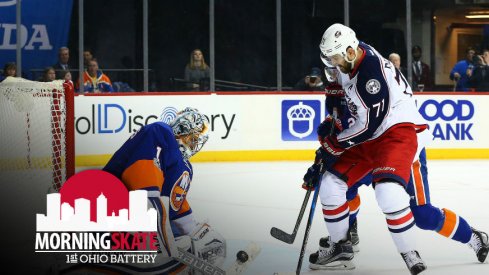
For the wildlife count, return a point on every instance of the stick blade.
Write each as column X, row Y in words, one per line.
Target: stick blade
column 282, row 236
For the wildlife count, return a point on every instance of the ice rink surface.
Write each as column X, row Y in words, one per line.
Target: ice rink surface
column 244, row 200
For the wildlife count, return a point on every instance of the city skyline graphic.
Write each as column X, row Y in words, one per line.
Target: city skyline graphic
column 63, row 217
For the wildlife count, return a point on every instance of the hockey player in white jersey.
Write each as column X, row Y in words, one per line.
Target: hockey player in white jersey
column 384, row 141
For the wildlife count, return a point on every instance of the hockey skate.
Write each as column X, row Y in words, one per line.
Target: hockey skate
column 355, row 240
column 333, row 256
column 414, row 262
column 480, row 243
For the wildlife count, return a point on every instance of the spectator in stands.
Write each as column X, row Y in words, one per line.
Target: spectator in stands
column 311, row 82
column 421, row 72
column 10, row 69
column 480, row 75
column 87, row 56
column 94, row 81
column 48, row 75
column 66, row 76
column 462, row 71
column 62, row 64
column 196, row 71
column 395, row 58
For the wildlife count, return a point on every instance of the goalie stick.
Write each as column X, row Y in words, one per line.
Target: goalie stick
column 195, row 262
column 239, row 266
column 289, row 238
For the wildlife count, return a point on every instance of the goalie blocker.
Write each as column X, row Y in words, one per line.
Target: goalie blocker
column 208, row 245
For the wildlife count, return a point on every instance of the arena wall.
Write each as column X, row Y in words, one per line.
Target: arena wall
column 254, row 126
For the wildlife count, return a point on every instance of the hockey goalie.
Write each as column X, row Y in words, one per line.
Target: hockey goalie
column 156, row 159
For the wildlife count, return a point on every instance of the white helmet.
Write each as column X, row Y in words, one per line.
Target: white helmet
column 190, row 129
column 336, row 40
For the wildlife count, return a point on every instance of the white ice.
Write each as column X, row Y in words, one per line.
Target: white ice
column 244, row 200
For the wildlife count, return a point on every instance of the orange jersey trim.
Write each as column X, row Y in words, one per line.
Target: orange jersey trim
column 418, row 183
column 143, row 174
column 354, row 204
column 185, row 207
column 450, row 223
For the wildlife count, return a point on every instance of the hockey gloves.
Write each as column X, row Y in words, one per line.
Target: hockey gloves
column 208, row 244
column 334, row 89
column 324, row 157
column 335, row 98
column 311, row 178
column 331, row 146
column 327, row 136
column 313, row 174
column 324, row 129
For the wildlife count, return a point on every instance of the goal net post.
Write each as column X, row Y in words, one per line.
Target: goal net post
column 37, row 132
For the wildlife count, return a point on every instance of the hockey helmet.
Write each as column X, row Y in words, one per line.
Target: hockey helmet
column 335, row 43
column 190, row 129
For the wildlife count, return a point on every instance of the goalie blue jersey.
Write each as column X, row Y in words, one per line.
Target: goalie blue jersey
column 151, row 160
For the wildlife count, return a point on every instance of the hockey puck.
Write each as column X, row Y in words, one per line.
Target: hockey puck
column 242, row 256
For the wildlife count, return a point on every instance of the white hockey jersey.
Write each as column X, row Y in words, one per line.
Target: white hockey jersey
column 378, row 97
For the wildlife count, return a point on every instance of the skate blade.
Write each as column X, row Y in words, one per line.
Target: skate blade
column 338, row 265
column 482, row 257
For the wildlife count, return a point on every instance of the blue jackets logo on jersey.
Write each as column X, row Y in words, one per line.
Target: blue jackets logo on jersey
column 179, row 191
column 373, row 86
column 300, row 119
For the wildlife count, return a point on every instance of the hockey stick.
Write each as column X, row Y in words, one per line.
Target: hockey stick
column 308, row 225
column 195, row 262
column 244, row 258
column 313, row 205
column 289, row 238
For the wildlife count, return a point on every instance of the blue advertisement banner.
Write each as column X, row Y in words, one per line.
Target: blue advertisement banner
column 45, row 26
column 300, row 118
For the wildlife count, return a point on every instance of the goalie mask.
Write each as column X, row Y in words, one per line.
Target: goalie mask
column 190, row 129
column 335, row 42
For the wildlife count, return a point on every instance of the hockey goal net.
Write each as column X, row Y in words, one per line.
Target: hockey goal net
column 36, row 142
